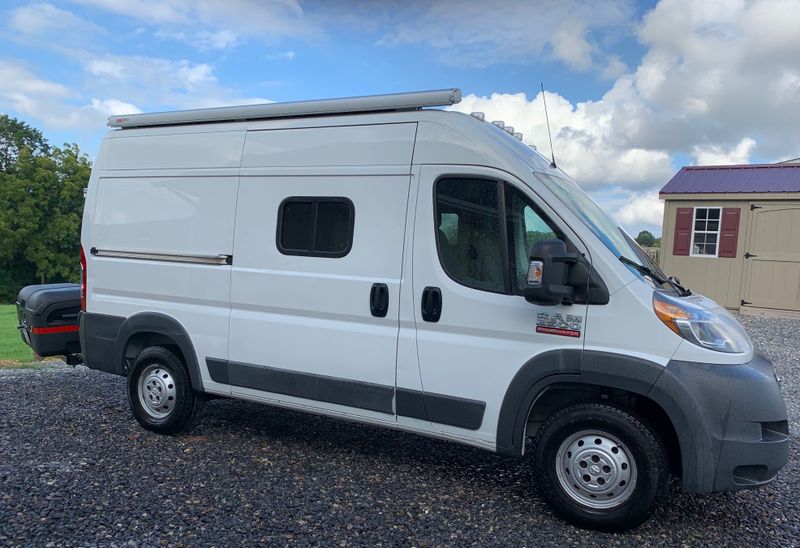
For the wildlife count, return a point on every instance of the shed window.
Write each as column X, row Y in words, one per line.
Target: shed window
column 705, row 231
column 315, row 227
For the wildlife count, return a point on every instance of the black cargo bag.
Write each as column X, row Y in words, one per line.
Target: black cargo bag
column 48, row 318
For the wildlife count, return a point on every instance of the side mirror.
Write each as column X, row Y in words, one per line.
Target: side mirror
column 548, row 274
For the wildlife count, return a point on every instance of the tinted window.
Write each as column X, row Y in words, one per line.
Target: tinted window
column 476, row 248
column 316, row 227
column 526, row 226
column 468, row 232
column 297, row 226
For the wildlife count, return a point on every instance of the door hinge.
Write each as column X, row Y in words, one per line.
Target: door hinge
column 743, row 302
column 747, row 255
column 753, row 206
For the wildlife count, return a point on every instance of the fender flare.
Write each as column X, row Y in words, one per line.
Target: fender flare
column 161, row 324
column 587, row 367
column 533, row 377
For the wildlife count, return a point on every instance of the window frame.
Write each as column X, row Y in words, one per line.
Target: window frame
column 315, row 201
column 508, row 256
column 717, row 232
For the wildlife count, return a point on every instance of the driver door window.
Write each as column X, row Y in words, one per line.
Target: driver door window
column 526, row 226
column 476, row 248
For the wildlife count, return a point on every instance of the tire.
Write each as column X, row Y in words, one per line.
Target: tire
column 627, row 470
column 160, row 392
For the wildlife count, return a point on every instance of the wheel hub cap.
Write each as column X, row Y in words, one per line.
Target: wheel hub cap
column 157, row 392
column 596, row 469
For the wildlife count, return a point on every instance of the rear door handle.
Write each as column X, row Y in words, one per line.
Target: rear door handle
column 379, row 300
column 431, row 304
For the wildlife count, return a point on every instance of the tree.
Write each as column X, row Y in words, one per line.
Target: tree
column 41, row 205
column 645, row 239
column 16, row 136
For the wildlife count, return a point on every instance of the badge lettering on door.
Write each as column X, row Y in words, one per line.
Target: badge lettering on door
column 565, row 325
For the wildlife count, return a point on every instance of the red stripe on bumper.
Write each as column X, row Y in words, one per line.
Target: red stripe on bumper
column 52, row 330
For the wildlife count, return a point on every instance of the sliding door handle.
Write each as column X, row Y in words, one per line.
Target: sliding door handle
column 379, row 300
column 431, row 304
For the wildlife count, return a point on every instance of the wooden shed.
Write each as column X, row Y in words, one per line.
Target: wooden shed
column 732, row 233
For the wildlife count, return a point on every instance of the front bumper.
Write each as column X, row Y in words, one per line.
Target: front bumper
column 730, row 420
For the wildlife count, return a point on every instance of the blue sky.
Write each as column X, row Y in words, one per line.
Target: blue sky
column 635, row 90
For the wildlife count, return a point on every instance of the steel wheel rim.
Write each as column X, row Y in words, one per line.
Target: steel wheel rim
column 595, row 469
column 156, row 388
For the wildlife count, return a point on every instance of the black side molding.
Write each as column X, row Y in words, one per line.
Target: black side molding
column 438, row 408
column 363, row 395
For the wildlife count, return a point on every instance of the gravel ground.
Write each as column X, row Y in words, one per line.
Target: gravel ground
column 76, row 469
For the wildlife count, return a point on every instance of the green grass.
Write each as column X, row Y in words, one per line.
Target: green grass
column 12, row 349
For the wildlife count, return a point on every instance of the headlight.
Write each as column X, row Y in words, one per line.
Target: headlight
column 701, row 322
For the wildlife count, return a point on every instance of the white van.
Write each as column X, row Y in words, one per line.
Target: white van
column 374, row 260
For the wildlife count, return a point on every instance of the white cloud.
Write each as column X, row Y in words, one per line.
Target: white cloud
column 571, row 46
column 104, row 67
column 204, row 40
column 282, row 56
column 477, row 33
column 39, row 19
column 720, row 154
column 221, row 39
column 614, row 68
column 193, row 75
column 585, row 138
column 23, row 91
column 267, row 19
column 51, row 103
column 640, row 209
column 110, row 107
column 146, row 76
column 717, row 69
column 719, row 82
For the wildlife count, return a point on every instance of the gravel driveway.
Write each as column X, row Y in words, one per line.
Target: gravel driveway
column 76, row 469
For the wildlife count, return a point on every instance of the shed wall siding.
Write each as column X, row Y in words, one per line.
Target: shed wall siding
column 715, row 277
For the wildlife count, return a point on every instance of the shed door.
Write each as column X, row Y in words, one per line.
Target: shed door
column 773, row 269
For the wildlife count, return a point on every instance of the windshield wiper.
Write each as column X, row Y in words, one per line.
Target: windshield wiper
column 647, row 271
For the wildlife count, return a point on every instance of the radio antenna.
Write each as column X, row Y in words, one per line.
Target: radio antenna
column 549, row 136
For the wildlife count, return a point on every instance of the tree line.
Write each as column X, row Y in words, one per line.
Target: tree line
column 41, row 206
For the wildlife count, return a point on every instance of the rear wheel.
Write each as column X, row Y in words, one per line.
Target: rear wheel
column 601, row 467
column 160, row 392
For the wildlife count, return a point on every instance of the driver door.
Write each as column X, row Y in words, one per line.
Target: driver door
column 474, row 228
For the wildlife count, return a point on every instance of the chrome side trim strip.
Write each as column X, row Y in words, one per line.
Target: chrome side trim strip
column 164, row 257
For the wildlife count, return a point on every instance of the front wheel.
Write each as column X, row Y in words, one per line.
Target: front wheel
column 601, row 466
column 160, row 392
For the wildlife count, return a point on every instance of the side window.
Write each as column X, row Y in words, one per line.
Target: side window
column 526, row 226
column 705, row 233
column 485, row 230
column 469, row 232
column 315, row 226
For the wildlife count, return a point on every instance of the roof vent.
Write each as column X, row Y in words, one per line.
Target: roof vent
column 517, row 135
column 499, row 123
column 509, row 129
column 479, row 115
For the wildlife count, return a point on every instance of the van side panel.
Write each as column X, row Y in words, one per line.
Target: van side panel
column 164, row 206
column 141, row 150
column 181, row 215
column 386, row 144
column 311, row 315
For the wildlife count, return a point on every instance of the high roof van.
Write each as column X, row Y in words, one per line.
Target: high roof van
column 378, row 260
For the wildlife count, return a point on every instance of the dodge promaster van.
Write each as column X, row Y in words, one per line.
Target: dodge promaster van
column 376, row 260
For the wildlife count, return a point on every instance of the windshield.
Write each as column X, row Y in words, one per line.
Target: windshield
column 600, row 222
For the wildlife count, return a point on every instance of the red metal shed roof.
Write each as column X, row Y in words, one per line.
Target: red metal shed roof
column 735, row 178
